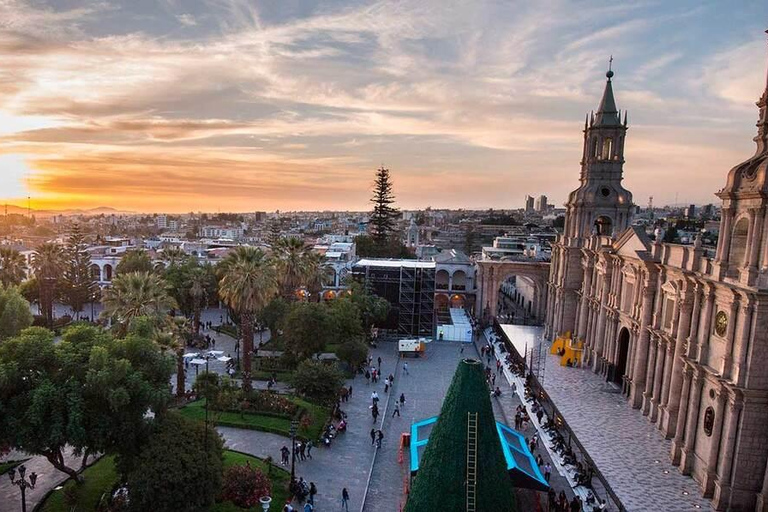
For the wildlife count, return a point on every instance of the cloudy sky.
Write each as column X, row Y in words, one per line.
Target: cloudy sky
column 237, row 105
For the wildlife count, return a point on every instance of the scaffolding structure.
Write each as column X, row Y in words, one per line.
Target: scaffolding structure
column 409, row 287
column 416, row 314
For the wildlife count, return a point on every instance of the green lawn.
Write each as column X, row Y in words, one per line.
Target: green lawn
column 101, row 477
column 99, row 480
column 273, row 424
column 7, row 466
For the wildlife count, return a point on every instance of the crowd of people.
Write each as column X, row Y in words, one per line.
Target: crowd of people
column 557, row 502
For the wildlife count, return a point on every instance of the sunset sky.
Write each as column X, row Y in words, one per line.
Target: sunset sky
column 242, row 105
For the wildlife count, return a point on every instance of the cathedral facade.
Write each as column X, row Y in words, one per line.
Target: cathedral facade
column 682, row 329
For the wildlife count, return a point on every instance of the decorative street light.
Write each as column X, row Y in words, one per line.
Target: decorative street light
column 294, row 428
column 23, row 484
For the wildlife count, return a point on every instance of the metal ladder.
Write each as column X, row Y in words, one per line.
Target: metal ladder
column 471, row 461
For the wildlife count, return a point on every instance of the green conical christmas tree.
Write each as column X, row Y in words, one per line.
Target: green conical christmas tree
column 441, row 481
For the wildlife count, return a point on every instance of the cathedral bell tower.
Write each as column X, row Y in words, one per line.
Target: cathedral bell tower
column 601, row 205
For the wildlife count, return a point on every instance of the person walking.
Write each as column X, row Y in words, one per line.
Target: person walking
column 367, row 377
column 312, row 492
column 402, row 400
column 309, row 445
column 405, row 368
column 375, row 412
column 397, row 410
column 345, row 499
column 375, row 398
column 379, row 438
column 547, row 472
column 373, row 436
column 379, row 361
column 284, row 453
column 386, row 385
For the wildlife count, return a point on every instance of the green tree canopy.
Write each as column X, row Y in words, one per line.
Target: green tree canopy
column 89, row 391
column 15, row 315
column 273, row 314
column 317, row 380
column 308, row 329
column 179, row 468
column 134, row 260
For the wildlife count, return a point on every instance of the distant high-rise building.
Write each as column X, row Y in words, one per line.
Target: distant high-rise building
column 529, row 203
column 161, row 221
column 707, row 210
column 541, row 204
column 690, row 212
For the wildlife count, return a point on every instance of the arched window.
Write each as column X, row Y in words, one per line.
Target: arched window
column 603, row 226
column 607, row 149
column 739, row 242
column 595, row 147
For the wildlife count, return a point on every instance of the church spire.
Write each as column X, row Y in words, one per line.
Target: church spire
column 607, row 114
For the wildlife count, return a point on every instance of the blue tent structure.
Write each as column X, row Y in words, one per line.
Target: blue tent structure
column 521, row 464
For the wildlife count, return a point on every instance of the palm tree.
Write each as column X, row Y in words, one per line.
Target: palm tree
column 197, row 281
column 13, row 267
column 172, row 340
column 294, row 262
column 48, row 263
column 136, row 294
column 247, row 284
column 173, row 256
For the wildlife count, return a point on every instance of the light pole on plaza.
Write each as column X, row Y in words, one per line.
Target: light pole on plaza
column 294, row 428
column 22, row 483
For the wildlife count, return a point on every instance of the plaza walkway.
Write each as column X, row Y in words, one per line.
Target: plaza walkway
column 628, row 450
column 425, row 387
column 48, row 478
column 347, row 463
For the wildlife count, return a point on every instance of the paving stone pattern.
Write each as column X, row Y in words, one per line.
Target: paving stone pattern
column 629, row 451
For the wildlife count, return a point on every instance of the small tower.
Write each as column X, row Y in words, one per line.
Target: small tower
column 742, row 254
column 601, row 205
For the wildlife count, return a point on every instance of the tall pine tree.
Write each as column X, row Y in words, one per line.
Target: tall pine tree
column 79, row 286
column 384, row 215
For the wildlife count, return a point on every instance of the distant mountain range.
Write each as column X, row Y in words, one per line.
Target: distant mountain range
column 101, row 210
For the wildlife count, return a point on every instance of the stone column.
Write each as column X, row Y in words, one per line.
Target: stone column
column 727, row 359
column 649, row 372
column 714, row 449
column 681, row 416
column 762, row 497
column 587, row 284
column 600, row 333
column 691, row 424
column 723, row 242
column 693, row 345
column 479, row 306
column 739, row 363
column 723, row 484
column 756, row 241
column 676, row 379
column 705, row 328
column 658, row 377
column 667, row 372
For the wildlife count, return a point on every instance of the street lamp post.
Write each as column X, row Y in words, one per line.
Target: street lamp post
column 294, row 428
column 23, row 484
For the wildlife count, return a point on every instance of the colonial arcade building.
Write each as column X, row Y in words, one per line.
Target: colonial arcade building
column 682, row 330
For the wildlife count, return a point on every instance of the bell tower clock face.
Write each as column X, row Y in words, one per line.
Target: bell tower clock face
column 721, row 323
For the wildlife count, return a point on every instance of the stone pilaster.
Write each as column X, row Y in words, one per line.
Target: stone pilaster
column 691, row 424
